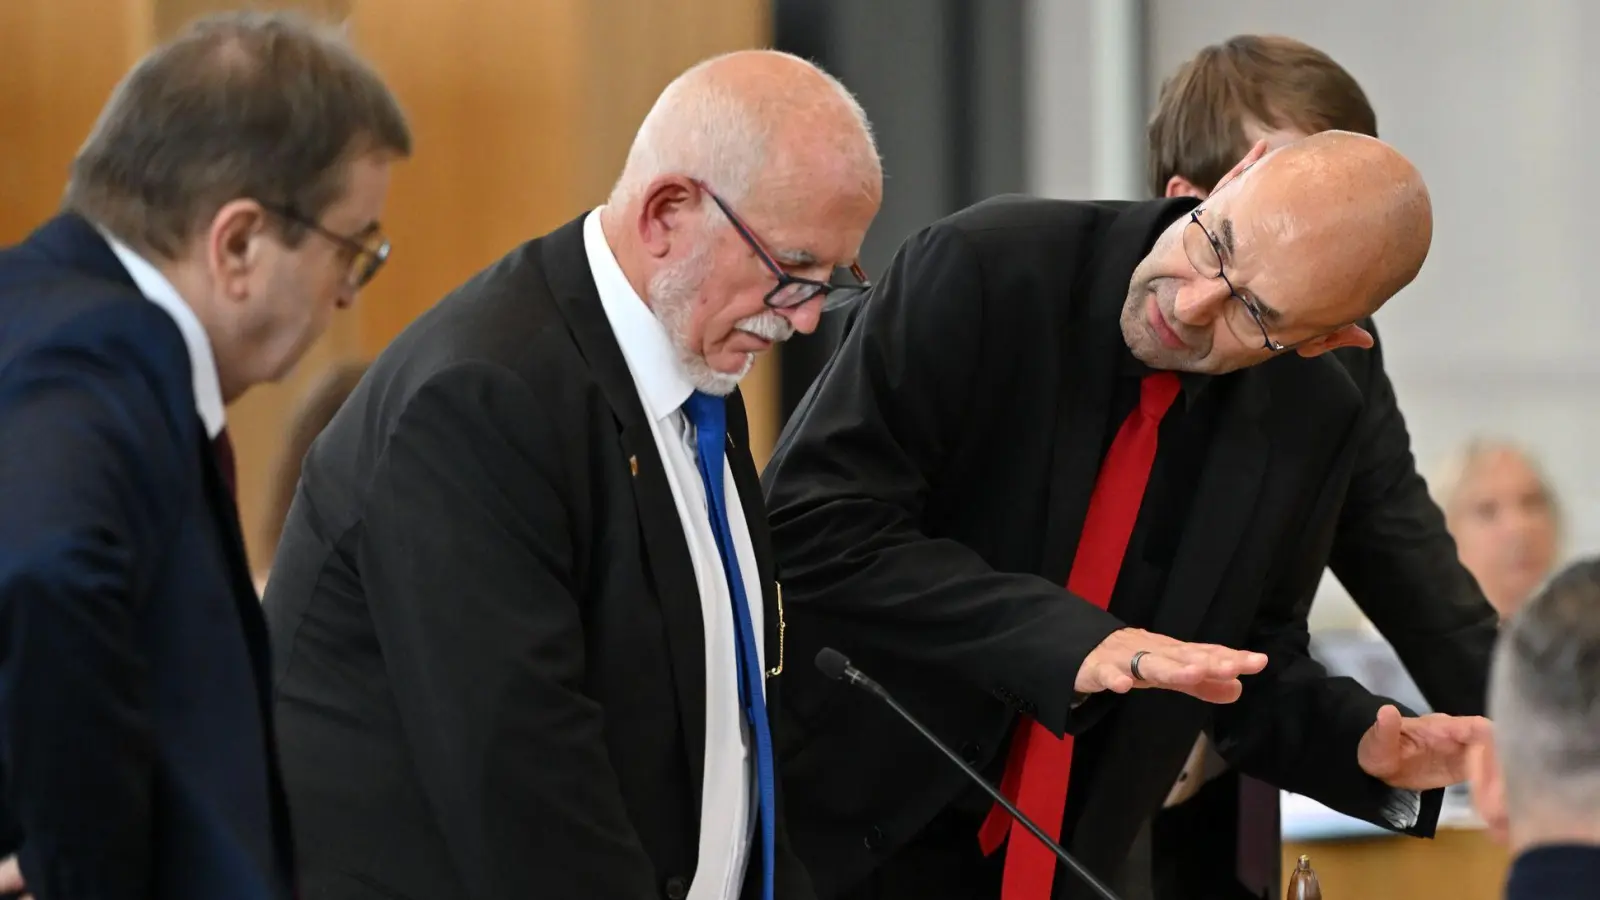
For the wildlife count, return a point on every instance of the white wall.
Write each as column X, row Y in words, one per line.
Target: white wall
column 1497, row 103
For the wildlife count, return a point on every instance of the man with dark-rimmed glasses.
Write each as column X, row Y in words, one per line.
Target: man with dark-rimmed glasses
column 1072, row 451
column 524, row 606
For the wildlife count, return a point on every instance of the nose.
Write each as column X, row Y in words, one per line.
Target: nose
column 804, row 317
column 1200, row 301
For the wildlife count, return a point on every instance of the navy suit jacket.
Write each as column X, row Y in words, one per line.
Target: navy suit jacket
column 136, row 756
column 1555, row 872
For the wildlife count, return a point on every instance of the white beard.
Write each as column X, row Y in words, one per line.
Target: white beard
column 672, row 294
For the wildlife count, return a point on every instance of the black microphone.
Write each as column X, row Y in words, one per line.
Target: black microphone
column 837, row 666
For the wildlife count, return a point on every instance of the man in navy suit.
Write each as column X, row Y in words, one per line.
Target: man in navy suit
column 224, row 206
column 1538, row 783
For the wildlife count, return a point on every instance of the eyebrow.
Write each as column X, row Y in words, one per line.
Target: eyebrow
column 1225, row 238
column 795, row 258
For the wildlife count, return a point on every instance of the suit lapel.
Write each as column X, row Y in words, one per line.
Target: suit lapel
column 748, row 481
column 219, row 499
column 670, row 567
column 1224, row 505
column 1089, row 351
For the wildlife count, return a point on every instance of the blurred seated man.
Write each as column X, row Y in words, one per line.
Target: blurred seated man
column 1538, row 783
column 1504, row 517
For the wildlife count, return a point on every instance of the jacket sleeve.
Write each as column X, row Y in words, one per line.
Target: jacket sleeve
column 1296, row 727
column 467, row 551
column 848, row 485
column 1394, row 556
column 87, row 473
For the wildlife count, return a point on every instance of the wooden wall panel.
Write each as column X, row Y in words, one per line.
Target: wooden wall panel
column 171, row 15
column 488, row 88
column 60, row 60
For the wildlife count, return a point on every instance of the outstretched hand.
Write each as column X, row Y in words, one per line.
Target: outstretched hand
column 1421, row 753
column 1207, row 671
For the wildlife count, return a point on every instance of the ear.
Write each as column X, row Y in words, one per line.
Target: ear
column 1179, row 186
column 1250, row 159
column 234, row 245
column 1488, row 789
column 1348, row 336
column 664, row 211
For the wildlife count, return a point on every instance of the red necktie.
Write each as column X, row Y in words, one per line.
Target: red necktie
column 223, row 448
column 1040, row 763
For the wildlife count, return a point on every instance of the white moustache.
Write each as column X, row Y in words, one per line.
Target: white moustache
column 768, row 326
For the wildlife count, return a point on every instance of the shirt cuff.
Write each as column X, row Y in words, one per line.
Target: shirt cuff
column 1402, row 809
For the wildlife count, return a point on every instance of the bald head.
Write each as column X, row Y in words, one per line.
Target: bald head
column 1309, row 240
column 1354, row 198
column 749, row 189
column 759, row 124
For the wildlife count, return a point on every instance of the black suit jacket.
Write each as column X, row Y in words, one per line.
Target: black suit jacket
column 135, row 733
column 926, row 501
column 491, row 658
column 1393, row 554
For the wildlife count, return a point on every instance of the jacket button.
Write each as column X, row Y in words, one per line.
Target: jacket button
column 874, row 838
column 972, row 751
column 677, row 887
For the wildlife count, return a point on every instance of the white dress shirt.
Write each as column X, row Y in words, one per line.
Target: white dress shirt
column 202, row 362
column 726, row 804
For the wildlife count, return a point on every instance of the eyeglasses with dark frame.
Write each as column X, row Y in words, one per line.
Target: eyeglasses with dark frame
column 365, row 258
column 1204, row 265
column 792, row 290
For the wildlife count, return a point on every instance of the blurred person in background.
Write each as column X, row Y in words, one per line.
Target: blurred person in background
column 315, row 411
column 223, row 208
column 1391, row 548
column 524, row 610
column 1504, row 516
column 1537, row 783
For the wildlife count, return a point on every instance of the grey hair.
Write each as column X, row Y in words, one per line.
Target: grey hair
column 1448, row 474
column 1544, row 698
column 701, row 128
column 269, row 106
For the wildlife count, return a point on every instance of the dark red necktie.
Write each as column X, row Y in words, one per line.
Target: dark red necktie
column 1040, row 764
column 223, row 448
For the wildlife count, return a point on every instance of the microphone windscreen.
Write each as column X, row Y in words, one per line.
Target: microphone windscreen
column 832, row 663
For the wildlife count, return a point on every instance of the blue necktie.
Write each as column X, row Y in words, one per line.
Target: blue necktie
column 708, row 414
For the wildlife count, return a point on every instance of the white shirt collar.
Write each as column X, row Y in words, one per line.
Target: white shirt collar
column 202, row 362
column 651, row 357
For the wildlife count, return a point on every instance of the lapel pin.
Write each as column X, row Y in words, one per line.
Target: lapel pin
column 633, row 466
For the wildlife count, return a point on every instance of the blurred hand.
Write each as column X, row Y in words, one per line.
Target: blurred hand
column 1423, row 753
column 11, row 876
column 1207, row 671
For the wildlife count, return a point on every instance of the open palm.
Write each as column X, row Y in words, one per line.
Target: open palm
column 1420, row 753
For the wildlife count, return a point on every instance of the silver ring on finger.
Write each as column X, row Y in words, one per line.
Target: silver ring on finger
column 1133, row 664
